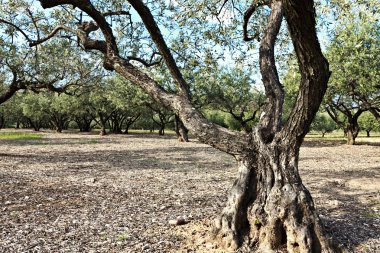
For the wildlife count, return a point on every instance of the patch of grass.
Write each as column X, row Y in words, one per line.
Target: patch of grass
column 19, row 136
column 123, row 236
column 92, row 142
column 373, row 215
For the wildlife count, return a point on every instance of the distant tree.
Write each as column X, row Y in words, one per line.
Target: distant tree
column 33, row 108
column 101, row 106
column 129, row 102
column 81, row 111
column 368, row 123
column 323, row 123
column 161, row 116
column 354, row 84
column 231, row 91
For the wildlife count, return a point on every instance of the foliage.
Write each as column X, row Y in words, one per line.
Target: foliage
column 354, row 83
column 323, row 123
column 368, row 123
column 232, row 91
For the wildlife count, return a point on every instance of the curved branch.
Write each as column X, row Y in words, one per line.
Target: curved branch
column 313, row 66
column 13, row 88
column 50, row 35
column 247, row 16
column 145, row 63
column 270, row 120
column 8, row 93
column 86, row 6
column 17, row 28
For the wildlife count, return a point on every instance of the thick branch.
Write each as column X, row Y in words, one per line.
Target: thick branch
column 86, row 6
column 12, row 89
column 270, row 121
column 314, row 68
column 156, row 35
column 247, row 16
column 214, row 135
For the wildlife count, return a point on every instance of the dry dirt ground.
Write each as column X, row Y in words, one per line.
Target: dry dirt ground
column 86, row 193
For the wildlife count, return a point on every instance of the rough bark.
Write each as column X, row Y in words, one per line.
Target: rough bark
column 269, row 209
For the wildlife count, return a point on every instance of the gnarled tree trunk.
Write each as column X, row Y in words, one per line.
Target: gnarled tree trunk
column 269, row 209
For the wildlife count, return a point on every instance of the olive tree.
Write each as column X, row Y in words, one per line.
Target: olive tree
column 268, row 207
column 354, row 84
column 323, row 123
column 368, row 123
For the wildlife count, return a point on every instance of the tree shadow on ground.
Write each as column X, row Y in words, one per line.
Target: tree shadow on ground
column 322, row 143
column 350, row 213
column 164, row 158
column 333, row 143
column 376, row 144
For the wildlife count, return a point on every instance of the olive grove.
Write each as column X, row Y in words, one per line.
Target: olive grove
column 268, row 207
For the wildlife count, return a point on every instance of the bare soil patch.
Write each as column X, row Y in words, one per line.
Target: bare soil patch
column 86, row 193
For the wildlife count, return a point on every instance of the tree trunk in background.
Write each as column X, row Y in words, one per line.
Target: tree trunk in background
column 161, row 131
column 367, row 131
column 103, row 131
column 352, row 131
column 103, row 123
column 2, row 121
column 181, row 131
column 84, row 123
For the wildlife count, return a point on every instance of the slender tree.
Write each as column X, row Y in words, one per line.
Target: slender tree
column 268, row 208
